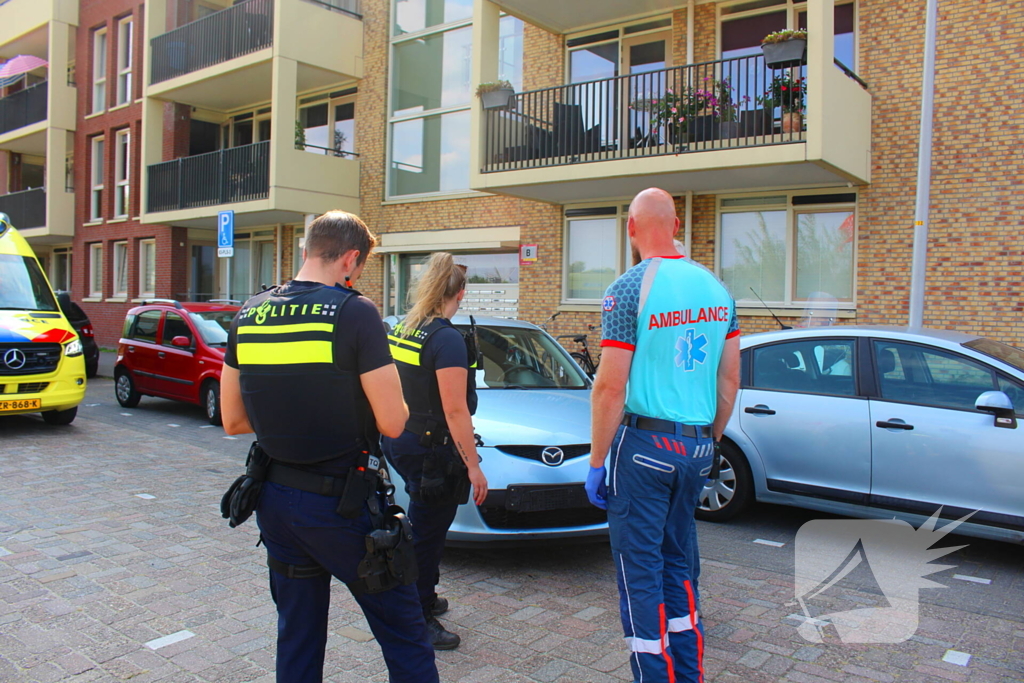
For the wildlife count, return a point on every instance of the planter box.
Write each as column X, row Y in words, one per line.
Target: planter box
column 498, row 99
column 785, row 54
column 756, row 122
column 704, row 128
column 728, row 130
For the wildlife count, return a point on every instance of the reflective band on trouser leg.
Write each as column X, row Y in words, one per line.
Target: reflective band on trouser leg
column 694, row 625
column 664, row 644
column 680, row 624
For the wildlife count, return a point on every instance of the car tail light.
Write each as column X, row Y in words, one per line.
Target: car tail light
column 87, row 332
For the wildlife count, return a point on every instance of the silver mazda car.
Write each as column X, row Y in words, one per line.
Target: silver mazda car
column 878, row 422
column 533, row 421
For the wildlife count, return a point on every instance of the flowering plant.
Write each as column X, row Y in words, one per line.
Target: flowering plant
column 786, row 93
column 783, row 36
column 674, row 109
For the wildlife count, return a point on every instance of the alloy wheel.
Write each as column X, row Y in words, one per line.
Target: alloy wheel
column 211, row 403
column 719, row 493
column 124, row 388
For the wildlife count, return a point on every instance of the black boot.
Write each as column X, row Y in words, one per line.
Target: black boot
column 439, row 607
column 441, row 638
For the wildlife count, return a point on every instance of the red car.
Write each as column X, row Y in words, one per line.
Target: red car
column 173, row 350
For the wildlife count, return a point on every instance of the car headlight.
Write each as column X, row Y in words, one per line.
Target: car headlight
column 73, row 348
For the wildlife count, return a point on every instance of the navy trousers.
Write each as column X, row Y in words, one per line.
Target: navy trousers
column 430, row 523
column 302, row 528
column 654, row 483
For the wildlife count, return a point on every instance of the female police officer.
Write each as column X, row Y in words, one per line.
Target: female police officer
column 436, row 454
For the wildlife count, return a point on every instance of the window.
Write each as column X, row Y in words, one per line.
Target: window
column 412, row 16
column 175, row 326
column 510, row 52
column 592, row 257
column 813, row 366
column 909, row 373
column 96, row 201
column 122, row 164
column 297, row 247
column 146, row 326
column 246, row 128
column 60, row 273
column 95, row 270
column 252, row 267
column 99, row 70
column 124, row 61
column 789, row 250
column 120, row 269
column 329, row 125
column 744, row 25
column 147, row 268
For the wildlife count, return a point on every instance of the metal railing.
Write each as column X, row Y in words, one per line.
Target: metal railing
column 326, row 151
column 351, row 7
column 218, row 37
column 239, row 174
column 720, row 104
column 27, row 209
column 24, row 107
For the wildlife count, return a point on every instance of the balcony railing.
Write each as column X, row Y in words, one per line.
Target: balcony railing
column 27, row 209
column 23, row 108
column 218, row 37
column 351, row 7
column 721, row 104
column 239, row 174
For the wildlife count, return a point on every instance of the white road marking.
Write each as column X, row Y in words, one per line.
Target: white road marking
column 92, row 405
column 207, row 427
column 774, row 544
column 127, row 414
column 169, row 640
column 972, row 579
column 171, row 424
column 233, row 438
column 958, row 658
column 145, row 496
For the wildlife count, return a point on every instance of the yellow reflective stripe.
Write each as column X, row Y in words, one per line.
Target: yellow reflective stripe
column 286, row 329
column 405, row 355
column 402, row 340
column 285, row 353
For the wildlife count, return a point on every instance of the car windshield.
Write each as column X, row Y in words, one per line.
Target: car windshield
column 213, row 326
column 1010, row 355
column 523, row 358
column 22, row 285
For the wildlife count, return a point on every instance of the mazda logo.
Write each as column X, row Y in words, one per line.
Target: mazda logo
column 552, row 455
column 15, row 359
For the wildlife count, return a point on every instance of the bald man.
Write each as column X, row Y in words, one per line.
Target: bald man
column 663, row 393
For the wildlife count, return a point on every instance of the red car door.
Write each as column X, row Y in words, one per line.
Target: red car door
column 177, row 368
column 141, row 351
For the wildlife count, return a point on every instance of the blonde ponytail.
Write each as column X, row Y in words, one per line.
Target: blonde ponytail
column 442, row 281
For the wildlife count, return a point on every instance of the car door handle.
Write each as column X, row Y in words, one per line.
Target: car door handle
column 131, row 349
column 759, row 409
column 161, row 354
column 890, row 424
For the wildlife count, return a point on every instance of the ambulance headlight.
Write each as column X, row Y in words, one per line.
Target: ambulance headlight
column 73, row 348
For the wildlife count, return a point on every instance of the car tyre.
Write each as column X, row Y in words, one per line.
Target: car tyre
column 211, row 402
column 124, row 389
column 60, row 417
column 732, row 492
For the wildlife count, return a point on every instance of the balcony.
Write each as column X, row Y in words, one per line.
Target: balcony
column 23, row 108
column 228, row 176
column 565, row 16
column 702, row 127
column 226, row 60
column 27, row 209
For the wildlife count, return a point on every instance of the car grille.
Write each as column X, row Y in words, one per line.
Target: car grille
column 39, row 358
column 534, row 452
column 32, row 387
column 501, row 518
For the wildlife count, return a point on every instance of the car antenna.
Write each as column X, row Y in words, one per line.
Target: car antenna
column 784, row 327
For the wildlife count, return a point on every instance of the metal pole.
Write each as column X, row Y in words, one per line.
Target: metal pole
column 919, row 264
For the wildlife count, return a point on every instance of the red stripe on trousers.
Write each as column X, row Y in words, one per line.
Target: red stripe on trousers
column 693, row 625
column 664, row 639
column 656, row 442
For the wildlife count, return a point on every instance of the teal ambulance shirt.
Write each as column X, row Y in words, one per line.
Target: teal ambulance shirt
column 675, row 315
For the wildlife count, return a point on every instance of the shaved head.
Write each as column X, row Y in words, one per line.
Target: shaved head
column 652, row 223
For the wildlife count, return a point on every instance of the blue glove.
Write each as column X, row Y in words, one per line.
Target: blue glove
column 597, row 491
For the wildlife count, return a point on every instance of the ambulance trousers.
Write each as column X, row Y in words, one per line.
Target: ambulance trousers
column 301, row 528
column 654, row 482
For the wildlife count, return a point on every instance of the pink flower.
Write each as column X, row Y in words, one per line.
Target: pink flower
column 670, row 92
column 682, row 119
column 674, row 110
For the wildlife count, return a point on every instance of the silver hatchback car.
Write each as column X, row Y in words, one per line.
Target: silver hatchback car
column 878, row 422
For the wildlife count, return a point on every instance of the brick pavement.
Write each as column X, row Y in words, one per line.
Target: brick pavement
column 90, row 573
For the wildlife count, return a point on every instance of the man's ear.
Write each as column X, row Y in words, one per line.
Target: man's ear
column 631, row 226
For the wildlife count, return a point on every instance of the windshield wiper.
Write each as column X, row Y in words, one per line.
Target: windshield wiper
column 513, row 386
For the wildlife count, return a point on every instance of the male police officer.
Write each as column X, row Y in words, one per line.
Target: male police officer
column 671, row 357
column 308, row 369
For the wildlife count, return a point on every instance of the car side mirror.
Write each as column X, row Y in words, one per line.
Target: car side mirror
column 185, row 342
column 998, row 404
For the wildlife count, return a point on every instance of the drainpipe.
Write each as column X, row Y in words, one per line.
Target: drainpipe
column 689, row 38
column 688, row 223
column 277, row 263
column 919, row 264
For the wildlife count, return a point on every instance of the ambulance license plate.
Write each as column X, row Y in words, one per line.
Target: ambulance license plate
column 24, row 404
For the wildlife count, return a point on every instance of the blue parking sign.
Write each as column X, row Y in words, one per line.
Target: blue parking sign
column 226, row 233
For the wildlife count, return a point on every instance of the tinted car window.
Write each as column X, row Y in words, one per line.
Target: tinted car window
column 813, row 366
column 146, row 326
column 175, row 326
column 930, row 376
column 1016, row 393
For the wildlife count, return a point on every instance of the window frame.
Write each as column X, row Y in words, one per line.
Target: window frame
column 856, row 371
column 100, row 56
column 97, row 168
column 116, row 269
column 792, row 213
column 96, row 270
column 56, row 255
column 159, row 326
column 147, row 263
column 163, row 332
column 336, row 97
column 122, row 162
column 621, row 243
column 620, row 28
column 125, row 60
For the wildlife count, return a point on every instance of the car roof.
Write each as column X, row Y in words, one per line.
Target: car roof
column 888, row 331
column 188, row 306
column 483, row 320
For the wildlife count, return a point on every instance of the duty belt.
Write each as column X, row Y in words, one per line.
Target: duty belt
column 653, row 424
column 430, row 430
column 306, row 481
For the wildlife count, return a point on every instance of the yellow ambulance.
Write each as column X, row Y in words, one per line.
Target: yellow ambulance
column 42, row 369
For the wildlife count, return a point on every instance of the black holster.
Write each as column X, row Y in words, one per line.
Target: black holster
column 390, row 559
column 360, row 486
column 716, row 464
column 240, row 500
column 444, row 480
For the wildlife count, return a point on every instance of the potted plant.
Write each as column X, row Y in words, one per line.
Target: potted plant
column 783, row 49
column 729, row 127
column 496, row 95
column 669, row 114
column 786, row 93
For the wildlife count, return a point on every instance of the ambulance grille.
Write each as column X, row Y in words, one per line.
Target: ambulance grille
column 32, row 387
column 28, row 358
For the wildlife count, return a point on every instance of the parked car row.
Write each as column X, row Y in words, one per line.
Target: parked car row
column 858, row 421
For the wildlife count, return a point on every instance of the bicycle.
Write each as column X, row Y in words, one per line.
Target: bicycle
column 582, row 356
